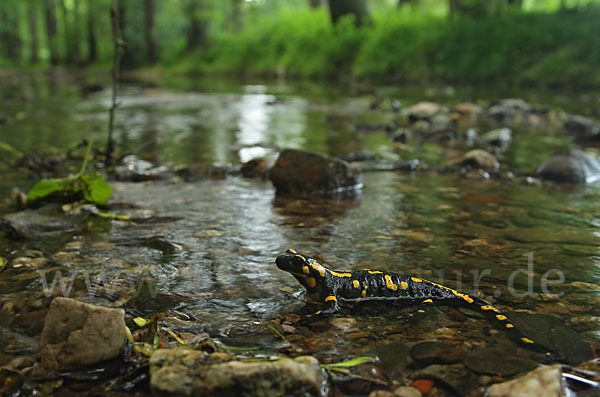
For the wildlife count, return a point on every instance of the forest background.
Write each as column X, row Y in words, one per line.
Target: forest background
column 518, row 42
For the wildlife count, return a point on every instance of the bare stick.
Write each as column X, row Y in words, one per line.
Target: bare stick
column 110, row 144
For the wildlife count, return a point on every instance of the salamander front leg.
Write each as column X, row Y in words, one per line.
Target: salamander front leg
column 331, row 307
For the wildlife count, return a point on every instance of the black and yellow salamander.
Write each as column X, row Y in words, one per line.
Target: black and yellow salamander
column 336, row 288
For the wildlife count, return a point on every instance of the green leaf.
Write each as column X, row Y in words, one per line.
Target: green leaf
column 44, row 188
column 350, row 363
column 174, row 335
column 96, row 189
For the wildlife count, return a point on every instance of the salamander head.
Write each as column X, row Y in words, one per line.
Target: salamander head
column 306, row 270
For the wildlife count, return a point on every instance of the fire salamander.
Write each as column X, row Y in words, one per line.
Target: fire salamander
column 335, row 288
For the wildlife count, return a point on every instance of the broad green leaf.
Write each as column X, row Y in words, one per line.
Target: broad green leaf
column 96, row 190
column 44, row 188
column 350, row 363
column 143, row 348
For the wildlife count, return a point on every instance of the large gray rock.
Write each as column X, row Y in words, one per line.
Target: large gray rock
column 303, row 172
column 572, row 166
column 581, row 127
column 42, row 221
column 78, row 334
column 544, row 381
column 190, row 372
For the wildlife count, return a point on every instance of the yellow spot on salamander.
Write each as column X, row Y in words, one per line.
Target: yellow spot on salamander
column 421, row 311
column 356, row 284
column 319, row 312
column 318, row 268
column 416, row 280
column 427, row 301
column 301, row 257
column 527, row 340
column 500, row 317
column 404, row 285
column 488, row 308
column 311, row 282
column 363, row 293
column 389, row 284
column 464, row 296
column 340, row 274
column 331, row 298
column 509, row 325
column 293, row 251
column 374, row 272
column 306, row 270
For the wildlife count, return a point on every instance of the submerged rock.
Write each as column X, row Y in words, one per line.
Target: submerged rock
column 454, row 377
column 192, row 372
column 572, row 166
column 544, row 381
column 45, row 220
column 436, row 352
column 78, row 334
column 487, row 360
column 551, row 333
column 300, row 171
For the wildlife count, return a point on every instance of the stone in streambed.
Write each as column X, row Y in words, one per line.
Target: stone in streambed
column 77, row 334
column 543, row 381
column 304, row 172
column 191, row 372
column 571, row 166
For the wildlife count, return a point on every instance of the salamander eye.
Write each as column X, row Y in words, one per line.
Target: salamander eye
column 299, row 260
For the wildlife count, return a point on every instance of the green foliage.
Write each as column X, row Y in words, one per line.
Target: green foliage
column 91, row 187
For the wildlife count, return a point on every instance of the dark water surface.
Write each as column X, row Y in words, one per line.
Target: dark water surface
column 218, row 275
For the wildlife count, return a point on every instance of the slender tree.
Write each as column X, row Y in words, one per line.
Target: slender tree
column 91, row 33
column 149, row 10
column 32, row 19
column 197, row 30
column 9, row 30
column 236, row 15
column 50, row 17
column 314, row 3
column 340, row 8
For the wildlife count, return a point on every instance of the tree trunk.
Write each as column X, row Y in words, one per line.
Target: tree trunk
column 76, row 34
column 340, row 8
column 50, row 16
column 197, row 32
column 9, row 35
column 33, row 32
column 91, row 34
column 314, row 3
column 149, row 10
column 236, row 15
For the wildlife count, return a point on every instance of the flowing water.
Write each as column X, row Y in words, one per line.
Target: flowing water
column 206, row 253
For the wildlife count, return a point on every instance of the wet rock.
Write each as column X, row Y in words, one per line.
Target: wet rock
column 406, row 391
column 138, row 170
column 299, row 171
column 572, row 166
column 436, row 352
column 257, row 168
column 454, row 377
column 508, row 109
column 190, row 372
column 499, row 138
column 467, row 110
column 487, row 360
column 544, row 381
column 78, row 334
column 423, row 111
column 554, row 335
column 581, row 127
column 33, row 223
column 394, row 358
column 479, row 159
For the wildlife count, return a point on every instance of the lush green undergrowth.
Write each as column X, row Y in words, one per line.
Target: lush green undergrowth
column 548, row 49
